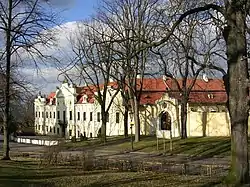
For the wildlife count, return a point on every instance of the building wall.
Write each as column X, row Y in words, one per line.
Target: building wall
column 202, row 120
column 76, row 125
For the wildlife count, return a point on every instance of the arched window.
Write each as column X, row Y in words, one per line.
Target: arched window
column 165, row 121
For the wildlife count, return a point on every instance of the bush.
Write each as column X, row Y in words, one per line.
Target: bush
column 83, row 138
column 73, row 139
column 99, row 134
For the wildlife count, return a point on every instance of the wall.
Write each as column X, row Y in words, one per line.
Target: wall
column 208, row 121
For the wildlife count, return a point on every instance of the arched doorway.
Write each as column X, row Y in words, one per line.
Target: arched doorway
column 165, row 121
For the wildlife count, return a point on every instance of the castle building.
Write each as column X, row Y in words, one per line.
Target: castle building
column 72, row 110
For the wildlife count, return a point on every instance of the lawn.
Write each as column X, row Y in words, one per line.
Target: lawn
column 194, row 146
column 26, row 172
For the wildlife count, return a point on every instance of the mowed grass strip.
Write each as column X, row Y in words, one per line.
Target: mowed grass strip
column 193, row 146
column 26, row 172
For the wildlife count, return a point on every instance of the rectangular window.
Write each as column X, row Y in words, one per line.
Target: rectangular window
column 58, row 130
column 58, row 114
column 78, row 115
column 54, row 115
column 47, row 115
column 117, row 117
column 84, row 116
column 64, row 116
column 50, row 129
column 54, row 130
column 43, row 114
column 70, row 132
column 36, row 114
column 39, row 127
column 78, row 133
column 98, row 117
column 50, row 114
column 91, row 116
column 107, row 117
column 39, row 115
column 70, row 115
column 47, row 129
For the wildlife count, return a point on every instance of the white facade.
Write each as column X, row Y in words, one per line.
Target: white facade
column 159, row 111
column 82, row 116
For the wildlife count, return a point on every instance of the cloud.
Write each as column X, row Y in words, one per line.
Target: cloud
column 44, row 80
column 63, row 3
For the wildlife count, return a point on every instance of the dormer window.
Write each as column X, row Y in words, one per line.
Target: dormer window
column 84, row 99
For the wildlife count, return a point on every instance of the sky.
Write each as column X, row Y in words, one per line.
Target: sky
column 69, row 11
column 76, row 10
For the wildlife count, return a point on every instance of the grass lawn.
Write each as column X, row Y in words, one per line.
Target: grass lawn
column 194, row 146
column 26, row 172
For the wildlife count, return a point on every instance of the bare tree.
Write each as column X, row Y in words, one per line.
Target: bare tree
column 231, row 17
column 93, row 62
column 24, row 25
column 189, row 52
column 130, row 19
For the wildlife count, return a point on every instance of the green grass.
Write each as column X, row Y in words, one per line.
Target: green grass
column 26, row 172
column 195, row 146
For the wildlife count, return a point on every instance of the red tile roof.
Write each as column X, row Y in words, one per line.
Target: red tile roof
column 153, row 89
column 150, row 97
column 212, row 91
column 51, row 96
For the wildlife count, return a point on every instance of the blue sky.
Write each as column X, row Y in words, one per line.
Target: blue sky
column 75, row 10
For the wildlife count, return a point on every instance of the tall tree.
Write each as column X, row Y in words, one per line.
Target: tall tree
column 24, row 25
column 231, row 17
column 130, row 19
column 190, row 51
column 94, row 61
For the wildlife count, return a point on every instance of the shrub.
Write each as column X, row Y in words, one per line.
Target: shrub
column 83, row 138
column 73, row 139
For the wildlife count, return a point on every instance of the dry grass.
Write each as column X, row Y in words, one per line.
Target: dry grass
column 26, row 172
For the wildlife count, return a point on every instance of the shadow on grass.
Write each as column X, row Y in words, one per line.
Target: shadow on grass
column 22, row 183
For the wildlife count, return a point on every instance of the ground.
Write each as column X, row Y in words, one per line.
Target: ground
column 26, row 172
column 198, row 153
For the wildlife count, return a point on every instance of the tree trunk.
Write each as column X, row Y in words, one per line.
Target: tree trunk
column 6, row 148
column 235, row 38
column 184, row 119
column 137, row 120
column 103, row 128
column 125, row 122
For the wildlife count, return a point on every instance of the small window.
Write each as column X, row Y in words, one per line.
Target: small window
column 78, row 133
column 54, row 115
column 98, row 117
column 91, row 116
column 78, row 115
column 43, row 114
column 50, row 114
column 84, row 116
column 50, row 129
column 39, row 127
column 39, row 115
column 117, row 117
column 36, row 114
column 70, row 115
column 70, row 132
column 58, row 130
column 193, row 109
column 58, row 114
column 165, row 121
column 64, row 116
column 107, row 117
column 47, row 115
column 54, row 130
column 47, row 128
